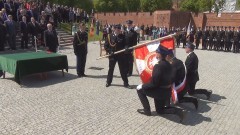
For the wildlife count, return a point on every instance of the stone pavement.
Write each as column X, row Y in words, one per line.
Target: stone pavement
column 77, row 106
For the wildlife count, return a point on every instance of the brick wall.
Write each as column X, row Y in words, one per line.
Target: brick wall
column 140, row 18
column 172, row 18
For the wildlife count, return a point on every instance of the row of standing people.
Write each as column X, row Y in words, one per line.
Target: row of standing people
column 213, row 38
column 9, row 31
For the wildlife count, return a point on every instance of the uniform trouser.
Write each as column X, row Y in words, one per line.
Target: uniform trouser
column 235, row 46
column 238, row 46
column 81, row 63
column 121, row 64
column 24, row 41
column 182, row 99
column 204, row 44
column 228, row 46
column 178, row 42
column 193, row 91
column 222, row 45
column 1, row 73
column 210, row 45
column 12, row 41
column 2, row 44
column 197, row 43
column 159, row 104
column 184, row 44
column 130, row 60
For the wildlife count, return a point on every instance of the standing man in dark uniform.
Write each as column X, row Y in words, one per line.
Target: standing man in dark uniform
column 235, row 41
column 238, row 39
column 184, row 37
column 217, row 46
column 222, row 36
column 80, row 49
column 24, row 33
column 229, row 38
column 115, row 42
column 205, row 38
column 214, row 34
column 131, row 40
column 192, row 72
column 3, row 32
column 159, row 87
column 51, row 39
column 210, row 43
column 198, row 37
column 178, row 78
column 178, row 38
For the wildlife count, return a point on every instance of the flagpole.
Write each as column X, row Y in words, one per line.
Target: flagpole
column 140, row 45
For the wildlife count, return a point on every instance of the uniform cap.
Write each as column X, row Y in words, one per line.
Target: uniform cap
column 190, row 45
column 129, row 22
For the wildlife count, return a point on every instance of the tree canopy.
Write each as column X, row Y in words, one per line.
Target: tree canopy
column 202, row 5
column 131, row 5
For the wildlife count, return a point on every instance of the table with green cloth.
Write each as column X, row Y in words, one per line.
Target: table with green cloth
column 22, row 64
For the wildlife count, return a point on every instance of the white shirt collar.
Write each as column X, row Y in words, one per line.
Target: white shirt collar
column 189, row 53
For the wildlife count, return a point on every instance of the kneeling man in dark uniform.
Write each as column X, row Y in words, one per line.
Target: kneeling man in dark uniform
column 179, row 76
column 159, row 87
column 192, row 72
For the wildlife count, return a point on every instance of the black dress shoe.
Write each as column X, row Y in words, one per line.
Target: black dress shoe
column 128, row 86
column 83, row 75
column 79, row 76
column 196, row 104
column 129, row 75
column 144, row 112
column 182, row 115
column 107, row 85
column 209, row 94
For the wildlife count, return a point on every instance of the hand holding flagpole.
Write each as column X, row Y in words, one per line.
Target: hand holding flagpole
column 139, row 45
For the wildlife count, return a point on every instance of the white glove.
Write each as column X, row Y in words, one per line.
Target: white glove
column 139, row 87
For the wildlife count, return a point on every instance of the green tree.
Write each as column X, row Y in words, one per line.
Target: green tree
column 190, row 5
column 153, row 5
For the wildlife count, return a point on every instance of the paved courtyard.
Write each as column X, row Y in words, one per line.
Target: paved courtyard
column 77, row 106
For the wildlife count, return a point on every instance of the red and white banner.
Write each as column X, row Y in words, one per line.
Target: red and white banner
column 145, row 57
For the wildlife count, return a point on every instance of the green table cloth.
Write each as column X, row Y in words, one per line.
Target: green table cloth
column 22, row 64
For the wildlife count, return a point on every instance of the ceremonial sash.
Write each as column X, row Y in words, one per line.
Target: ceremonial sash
column 179, row 88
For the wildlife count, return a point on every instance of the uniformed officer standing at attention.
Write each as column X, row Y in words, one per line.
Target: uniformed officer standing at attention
column 115, row 42
column 178, row 78
column 192, row 72
column 235, row 41
column 205, row 38
column 214, row 34
column 222, row 37
column 198, row 37
column 80, row 42
column 229, row 39
column 131, row 40
column 238, row 39
column 210, row 43
column 51, row 39
column 184, row 37
column 159, row 87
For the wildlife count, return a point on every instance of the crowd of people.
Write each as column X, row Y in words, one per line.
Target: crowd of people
column 30, row 18
column 212, row 38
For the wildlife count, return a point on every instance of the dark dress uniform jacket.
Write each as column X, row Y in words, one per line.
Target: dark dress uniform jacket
column 179, row 74
column 131, row 38
column 80, row 45
column 51, row 40
column 192, row 68
column 118, row 40
column 159, row 86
